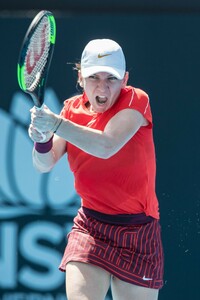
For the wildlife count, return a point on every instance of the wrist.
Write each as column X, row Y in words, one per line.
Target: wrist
column 44, row 147
column 57, row 125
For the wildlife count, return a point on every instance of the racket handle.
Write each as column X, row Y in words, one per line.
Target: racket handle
column 39, row 107
column 42, row 134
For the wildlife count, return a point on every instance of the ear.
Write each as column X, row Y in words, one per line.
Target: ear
column 125, row 79
column 80, row 83
column 80, row 79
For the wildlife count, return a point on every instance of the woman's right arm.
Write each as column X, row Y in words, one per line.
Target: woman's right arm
column 44, row 162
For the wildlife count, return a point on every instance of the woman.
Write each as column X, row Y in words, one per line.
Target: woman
column 107, row 134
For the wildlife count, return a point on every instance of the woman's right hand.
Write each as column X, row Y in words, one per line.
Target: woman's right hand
column 37, row 136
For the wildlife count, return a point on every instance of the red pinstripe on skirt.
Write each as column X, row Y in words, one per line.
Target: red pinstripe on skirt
column 132, row 253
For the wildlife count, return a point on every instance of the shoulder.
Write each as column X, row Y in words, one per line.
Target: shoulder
column 132, row 97
column 70, row 103
column 75, row 99
column 137, row 99
column 140, row 93
column 133, row 92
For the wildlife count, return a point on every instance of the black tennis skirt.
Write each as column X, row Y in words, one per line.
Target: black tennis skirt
column 128, row 247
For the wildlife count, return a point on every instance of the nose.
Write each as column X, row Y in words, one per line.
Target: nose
column 102, row 85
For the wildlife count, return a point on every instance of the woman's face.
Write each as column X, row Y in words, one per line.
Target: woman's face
column 102, row 90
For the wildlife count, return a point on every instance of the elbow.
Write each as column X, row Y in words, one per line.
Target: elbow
column 42, row 168
column 43, row 163
column 106, row 154
column 107, row 150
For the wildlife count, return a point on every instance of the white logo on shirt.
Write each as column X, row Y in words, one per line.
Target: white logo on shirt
column 146, row 278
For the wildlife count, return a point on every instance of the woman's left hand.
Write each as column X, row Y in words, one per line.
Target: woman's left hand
column 44, row 120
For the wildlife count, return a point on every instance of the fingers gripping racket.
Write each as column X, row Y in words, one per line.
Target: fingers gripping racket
column 35, row 56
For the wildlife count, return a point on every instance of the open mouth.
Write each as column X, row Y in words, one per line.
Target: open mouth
column 101, row 99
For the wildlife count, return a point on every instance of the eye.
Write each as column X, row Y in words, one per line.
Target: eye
column 112, row 78
column 93, row 77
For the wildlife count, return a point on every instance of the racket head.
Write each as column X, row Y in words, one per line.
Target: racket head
column 35, row 56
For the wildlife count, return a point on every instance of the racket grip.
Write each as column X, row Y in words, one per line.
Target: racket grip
column 39, row 107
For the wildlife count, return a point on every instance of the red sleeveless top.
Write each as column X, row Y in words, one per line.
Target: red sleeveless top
column 125, row 182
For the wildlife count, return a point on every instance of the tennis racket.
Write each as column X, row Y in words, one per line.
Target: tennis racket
column 35, row 56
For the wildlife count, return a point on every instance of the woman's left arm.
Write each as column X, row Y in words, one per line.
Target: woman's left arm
column 102, row 144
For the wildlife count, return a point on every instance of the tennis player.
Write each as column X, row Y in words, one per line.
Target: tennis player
column 107, row 134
